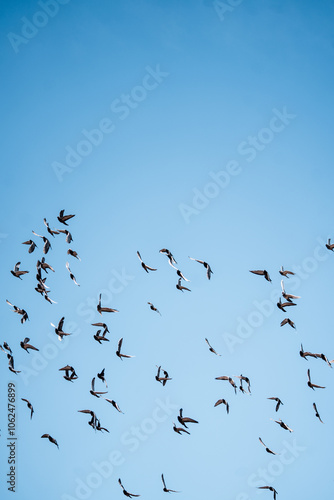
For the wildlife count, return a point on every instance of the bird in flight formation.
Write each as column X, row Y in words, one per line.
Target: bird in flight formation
column 126, row 493
column 165, row 489
column 29, row 405
column 262, row 273
column 270, row 488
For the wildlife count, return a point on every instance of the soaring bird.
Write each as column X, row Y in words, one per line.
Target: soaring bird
column 262, row 273
column 51, row 439
column 59, row 329
column 285, row 273
column 231, row 381
column 330, row 245
column 180, row 287
column 63, row 218
column 282, row 424
column 180, row 275
column 143, row 265
column 19, row 311
column 126, row 493
column 165, row 489
column 49, row 230
column 169, row 255
column 17, row 273
column 206, row 265
column 68, row 238
column 102, row 377
column 268, row 450
column 104, row 309
column 211, row 349
column 246, row 379
column 179, row 430
column 47, row 244
column 5, row 347
column 29, row 406
column 102, row 325
column 278, row 402
column 288, row 296
column 115, row 405
column 41, row 264
column 100, row 338
column 223, row 401
column 32, row 245
column 93, row 392
column 287, row 321
column 69, row 376
column 309, row 383
column 183, row 420
column 281, row 304
column 73, row 253
column 316, row 412
column 153, row 308
column 269, row 488
column 71, row 274
column 118, row 352
column 11, row 364
column 162, row 380
column 305, row 354
column 24, row 344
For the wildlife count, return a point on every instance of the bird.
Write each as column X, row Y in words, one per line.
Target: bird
column 330, row 245
column 287, row 321
column 262, row 273
column 104, row 309
column 29, row 405
column 282, row 424
column 93, row 420
column 223, row 401
column 126, row 493
column 103, row 325
column 153, row 308
column 19, row 311
column 269, row 488
column 268, row 450
column 11, row 364
column 17, row 273
column 63, row 218
column 68, row 238
column 180, row 275
column 59, row 329
column 288, row 296
column 278, row 402
column 5, row 347
column 304, row 354
column 24, row 344
column 115, row 405
column 71, row 274
column 98, row 426
column 73, row 253
column 69, row 376
column 47, row 244
column 50, row 231
column 231, row 381
column 179, row 430
column 183, row 420
column 41, row 264
column 180, row 287
column 51, row 439
column 211, row 349
column 285, row 273
column 246, row 379
column 102, row 377
column 143, row 265
column 169, row 255
column 118, row 352
column 281, row 305
column 99, row 338
column 309, row 383
column 162, row 380
column 316, row 412
column 93, row 392
column 206, row 265
column 32, row 245
column 165, row 489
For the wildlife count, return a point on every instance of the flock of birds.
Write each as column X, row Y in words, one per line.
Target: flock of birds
column 70, row 373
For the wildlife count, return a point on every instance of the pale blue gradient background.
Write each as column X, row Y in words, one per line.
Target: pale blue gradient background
column 225, row 78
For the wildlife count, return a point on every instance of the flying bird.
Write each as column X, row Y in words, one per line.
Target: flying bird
column 282, row 424
column 126, row 493
column 278, row 403
column 104, row 309
column 11, row 364
column 288, row 296
column 73, row 253
column 206, row 265
column 19, row 311
column 50, row 231
column 41, row 264
column 180, row 287
column 70, row 374
column 115, row 405
column 29, row 405
column 93, row 392
column 268, row 450
column 179, row 430
column 71, row 274
column 169, row 255
column 246, row 379
column 153, row 308
column 17, row 273
column 270, row 488
column 281, row 304
column 32, row 245
column 68, row 238
column 59, row 329
column 223, row 401
column 180, row 275
column 262, row 273
column 183, row 420
column 285, row 273
column 231, row 381
column 47, row 244
column 143, row 265
column 63, row 218
column 165, row 489
column 211, row 349
column 162, row 380
column 316, row 412
column 102, row 377
column 309, row 383
column 51, row 439
column 99, row 338
column 118, row 352
column 330, row 245
column 287, row 321
column 24, row 344
column 102, row 325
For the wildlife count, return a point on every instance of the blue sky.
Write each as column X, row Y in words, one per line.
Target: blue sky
column 204, row 127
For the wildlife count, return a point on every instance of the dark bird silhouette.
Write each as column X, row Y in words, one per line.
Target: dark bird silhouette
column 102, row 325
column 63, row 218
column 29, row 406
column 104, row 309
column 180, row 275
column 169, row 255
column 73, row 253
column 179, row 430
column 283, row 425
column 71, row 274
column 49, row 230
column 183, row 420
column 118, row 352
column 153, row 308
column 93, row 392
column 143, row 265
column 162, row 380
column 309, row 383
column 245, row 379
column 330, row 245
column 5, row 347
column 24, row 344
column 93, row 420
column 231, row 381
column 11, row 364
column 285, row 273
column 59, row 329
column 278, row 402
column 281, row 305
column 126, row 493
column 51, row 439
column 47, row 244
column 268, row 450
column 287, row 321
column 288, row 296
column 206, row 265
column 211, row 349
column 17, row 273
column 100, row 338
column 115, row 405
column 19, row 311
column 165, row 489
column 224, row 402
column 102, row 377
column 41, row 264
column 316, row 412
column 32, row 245
column 68, row 238
column 70, row 374
column 262, row 273
column 180, row 287
column 269, row 488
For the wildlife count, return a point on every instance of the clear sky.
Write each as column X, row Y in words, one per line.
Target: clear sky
column 205, row 128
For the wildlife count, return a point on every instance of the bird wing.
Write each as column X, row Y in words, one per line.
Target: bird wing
column 119, row 346
column 163, row 481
